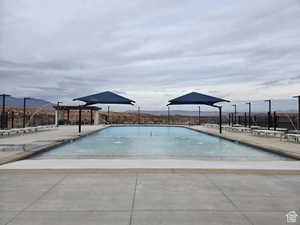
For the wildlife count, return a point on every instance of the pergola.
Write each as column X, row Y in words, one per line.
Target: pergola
column 106, row 97
column 69, row 108
column 195, row 98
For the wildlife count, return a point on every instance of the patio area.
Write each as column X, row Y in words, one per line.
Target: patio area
column 144, row 199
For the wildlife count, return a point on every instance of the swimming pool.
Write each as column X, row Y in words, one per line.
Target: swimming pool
column 156, row 142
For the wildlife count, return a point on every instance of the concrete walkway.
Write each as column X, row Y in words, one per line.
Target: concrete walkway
column 148, row 165
column 16, row 146
column 148, row 199
column 292, row 149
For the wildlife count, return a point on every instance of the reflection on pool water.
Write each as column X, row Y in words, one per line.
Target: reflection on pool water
column 157, row 142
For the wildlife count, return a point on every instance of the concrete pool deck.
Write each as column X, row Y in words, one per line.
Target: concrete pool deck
column 149, row 166
column 273, row 144
column 17, row 147
column 148, row 199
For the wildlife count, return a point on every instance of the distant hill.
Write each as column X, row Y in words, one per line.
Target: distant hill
column 31, row 103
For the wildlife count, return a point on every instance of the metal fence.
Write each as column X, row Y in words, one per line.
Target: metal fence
column 13, row 119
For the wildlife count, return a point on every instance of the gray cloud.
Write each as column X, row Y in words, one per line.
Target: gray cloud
column 150, row 50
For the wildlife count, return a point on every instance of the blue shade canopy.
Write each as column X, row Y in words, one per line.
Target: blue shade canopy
column 196, row 99
column 106, row 97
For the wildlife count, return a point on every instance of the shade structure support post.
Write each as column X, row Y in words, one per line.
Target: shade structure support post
column 168, row 115
column 245, row 120
column 199, row 115
column 107, row 113
column 68, row 114
column 79, row 120
column 220, row 119
column 91, row 116
column 139, row 115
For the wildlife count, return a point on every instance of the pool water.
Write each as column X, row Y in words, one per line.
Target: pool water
column 157, row 142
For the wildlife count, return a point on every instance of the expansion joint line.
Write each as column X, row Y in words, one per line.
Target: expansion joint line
column 133, row 200
column 228, row 198
column 34, row 201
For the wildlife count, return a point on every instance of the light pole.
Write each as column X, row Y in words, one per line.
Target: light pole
column 3, row 110
column 249, row 114
column 269, row 113
column 298, row 127
column 234, row 113
column 24, row 112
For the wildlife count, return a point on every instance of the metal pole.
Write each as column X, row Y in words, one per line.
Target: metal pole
column 220, row 119
column 57, row 109
column 24, row 112
column 91, row 117
column 245, row 120
column 249, row 114
column 298, row 127
column 199, row 115
column 269, row 114
column 12, row 119
column 3, row 110
column 275, row 120
column 108, row 113
column 139, row 116
column 298, row 112
column 168, row 114
column 68, row 115
column 234, row 113
column 79, row 120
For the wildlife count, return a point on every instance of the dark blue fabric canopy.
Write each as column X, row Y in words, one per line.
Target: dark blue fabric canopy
column 106, row 97
column 196, row 99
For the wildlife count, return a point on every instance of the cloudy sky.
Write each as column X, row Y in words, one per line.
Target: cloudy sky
column 150, row 51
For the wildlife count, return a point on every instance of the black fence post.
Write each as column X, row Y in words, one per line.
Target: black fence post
column 220, row 119
column 275, row 120
column 12, row 119
column 79, row 120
